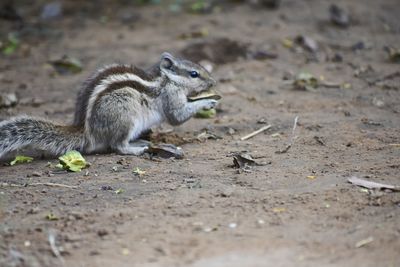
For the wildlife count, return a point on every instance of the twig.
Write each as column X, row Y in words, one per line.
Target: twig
column 291, row 142
column 38, row 184
column 54, row 249
column 331, row 84
column 250, row 135
column 55, row 184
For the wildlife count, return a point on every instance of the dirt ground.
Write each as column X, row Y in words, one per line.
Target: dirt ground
column 294, row 209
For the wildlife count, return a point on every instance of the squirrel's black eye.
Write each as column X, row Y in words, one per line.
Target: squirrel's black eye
column 194, row 74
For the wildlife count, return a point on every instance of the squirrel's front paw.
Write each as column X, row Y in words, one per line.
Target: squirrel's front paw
column 208, row 104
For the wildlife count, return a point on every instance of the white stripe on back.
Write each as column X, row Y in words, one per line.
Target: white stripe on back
column 114, row 78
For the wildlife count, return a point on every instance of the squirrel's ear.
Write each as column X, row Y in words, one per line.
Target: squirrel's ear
column 167, row 61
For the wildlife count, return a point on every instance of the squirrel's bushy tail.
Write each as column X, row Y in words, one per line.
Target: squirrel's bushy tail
column 20, row 132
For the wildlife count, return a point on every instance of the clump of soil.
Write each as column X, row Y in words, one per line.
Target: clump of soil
column 216, row 50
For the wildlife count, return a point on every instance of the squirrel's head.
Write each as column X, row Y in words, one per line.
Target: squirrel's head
column 186, row 74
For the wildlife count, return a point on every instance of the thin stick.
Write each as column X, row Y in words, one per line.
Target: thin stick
column 55, row 184
column 38, row 184
column 250, row 135
column 286, row 149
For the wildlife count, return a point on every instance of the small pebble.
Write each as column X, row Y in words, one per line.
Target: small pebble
column 232, row 225
column 260, row 222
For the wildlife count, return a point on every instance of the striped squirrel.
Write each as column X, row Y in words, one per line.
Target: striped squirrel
column 115, row 105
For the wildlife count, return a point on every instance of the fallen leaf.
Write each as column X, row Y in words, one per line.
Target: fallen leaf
column 21, row 159
column 364, row 242
column 67, row 65
column 10, row 45
column 279, row 209
column 138, row 171
column 393, row 54
column 371, row 185
column 119, row 191
column 287, row 43
column 72, row 161
column 166, row 151
column 51, row 217
column 243, row 160
column 345, row 86
column 305, row 81
column 311, row 177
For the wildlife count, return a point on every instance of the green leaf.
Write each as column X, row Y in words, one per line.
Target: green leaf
column 11, row 45
column 138, row 171
column 51, row 217
column 21, row 159
column 206, row 113
column 200, row 6
column 67, row 65
column 394, row 54
column 73, row 161
column 119, row 191
column 306, row 81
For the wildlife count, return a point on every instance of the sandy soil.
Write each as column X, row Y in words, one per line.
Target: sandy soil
column 200, row 211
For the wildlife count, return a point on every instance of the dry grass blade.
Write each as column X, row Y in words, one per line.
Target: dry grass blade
column 39, row 184
column 289, row 145
column 55, row 185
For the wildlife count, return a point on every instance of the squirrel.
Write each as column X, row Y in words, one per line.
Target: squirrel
column 115, row 106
